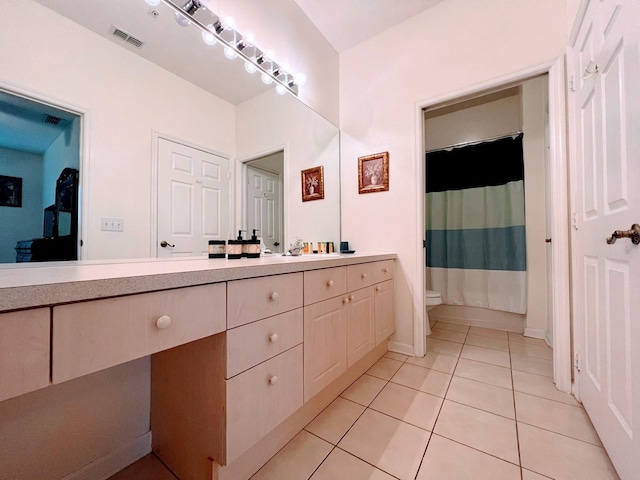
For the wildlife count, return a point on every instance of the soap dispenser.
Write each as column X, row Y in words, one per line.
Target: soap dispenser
column 234, row 247
column 253, row 245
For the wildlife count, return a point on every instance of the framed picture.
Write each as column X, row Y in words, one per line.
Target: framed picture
column 373, row 173
column 313, row 184
column 10, row 191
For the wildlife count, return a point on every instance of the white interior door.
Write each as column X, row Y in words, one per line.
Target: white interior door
column 193, row 199
column 264, row 207
column 607, row 128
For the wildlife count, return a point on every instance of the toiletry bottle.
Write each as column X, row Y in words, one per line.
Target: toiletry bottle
column 234, row 247
column 217, row 248
column 253, row 246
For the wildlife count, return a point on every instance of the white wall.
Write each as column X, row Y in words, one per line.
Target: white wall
column 26, row 222
column 456, row 44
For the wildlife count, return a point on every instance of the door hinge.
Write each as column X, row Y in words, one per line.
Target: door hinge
column 571, row 87
column 576, row 361
column 574, row 220
column 424, row 244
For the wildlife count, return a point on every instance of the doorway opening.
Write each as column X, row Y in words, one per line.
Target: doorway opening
column 555, row 179
column 263, row 199
column 39, row 180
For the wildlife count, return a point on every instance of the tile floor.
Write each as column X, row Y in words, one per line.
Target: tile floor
column 481, row 405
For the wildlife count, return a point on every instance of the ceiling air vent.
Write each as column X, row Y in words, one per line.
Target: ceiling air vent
column 122, row 35
column 51, row 120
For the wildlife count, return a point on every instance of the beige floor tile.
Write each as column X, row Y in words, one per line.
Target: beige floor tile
column 396, row 356
column 384, row 368
column 436, row 361
column 484, row 372
column 342, row 465
column 147, row 468
column 561, row 457
column 450, row 335
column 456, row 327
column 519, row 338
column 489, row 332
column 486, row 397
column 409, row 405
column 486, row 355
column 423, row 379
column 555, row 416
column 389, row 444
column 334, row 421
column 443, row 346
column 446, row 459
column 540, row 386
column 539, row 366
column 501, row 344
column 532, row 350
column 477, row 429
column 529, row 475
column 364, row 390
column 297, row 460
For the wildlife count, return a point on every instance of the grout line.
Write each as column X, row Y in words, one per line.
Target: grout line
column 476, row 449
column 363, row 460
column 561, row 434
column 515, row 414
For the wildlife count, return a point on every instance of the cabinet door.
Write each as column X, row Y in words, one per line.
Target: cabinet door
column 385, row 323
column 325, row 344
column 360, row 332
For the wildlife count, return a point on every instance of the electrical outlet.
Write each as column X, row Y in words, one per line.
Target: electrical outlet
column 112, row 224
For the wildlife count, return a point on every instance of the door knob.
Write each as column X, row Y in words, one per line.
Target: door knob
column 633, row 234
column 165, row 244
column 276, row 244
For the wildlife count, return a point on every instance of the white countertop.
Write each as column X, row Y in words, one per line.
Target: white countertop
column 41, row 284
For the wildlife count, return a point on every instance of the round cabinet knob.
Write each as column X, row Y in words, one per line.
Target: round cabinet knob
column 273, row 338
column 163, row 322
column 378, row 288
column 274, row 296
column 345, row 300
column 363, row 276
column 352, row 298
column 330, row 283
column 273, row 379
column 385, row 270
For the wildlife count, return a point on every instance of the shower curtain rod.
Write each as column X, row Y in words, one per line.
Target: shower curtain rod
column 475, row 142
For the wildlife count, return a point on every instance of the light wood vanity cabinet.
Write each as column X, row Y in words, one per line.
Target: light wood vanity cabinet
column 24, row 352
column 99, row 334
column 339, row 331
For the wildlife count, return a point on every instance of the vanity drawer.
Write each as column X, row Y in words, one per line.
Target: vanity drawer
column 325, row 283
column 365, row 274
column 256, row 298
column 24, row 352
column 91, row 336
column 252, row 344
column 259, row 399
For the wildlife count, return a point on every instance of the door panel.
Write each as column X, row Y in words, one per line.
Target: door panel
column 607, row 120
column 193, row 199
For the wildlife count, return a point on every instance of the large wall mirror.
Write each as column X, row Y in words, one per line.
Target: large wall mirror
column 175, row 88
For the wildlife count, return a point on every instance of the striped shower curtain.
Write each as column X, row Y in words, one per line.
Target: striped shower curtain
column 476, row 248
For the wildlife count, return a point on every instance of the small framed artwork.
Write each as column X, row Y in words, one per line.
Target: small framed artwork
column 373, row 173
column 313, row 184
column 10, row 191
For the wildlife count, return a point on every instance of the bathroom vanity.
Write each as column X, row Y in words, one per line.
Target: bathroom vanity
column 243, row 353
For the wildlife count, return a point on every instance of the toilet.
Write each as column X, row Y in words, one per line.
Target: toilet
column 432, row 299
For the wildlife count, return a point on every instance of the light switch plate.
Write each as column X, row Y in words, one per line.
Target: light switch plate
column 112, row 224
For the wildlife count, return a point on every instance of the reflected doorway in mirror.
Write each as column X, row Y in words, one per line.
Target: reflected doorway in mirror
column 313, row 184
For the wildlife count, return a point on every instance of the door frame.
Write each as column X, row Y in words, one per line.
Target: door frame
column 241, row 215
column 83, row 155
column 156, row 136
column 559, row 207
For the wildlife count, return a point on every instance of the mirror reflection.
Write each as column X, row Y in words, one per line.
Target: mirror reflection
column 127, row 106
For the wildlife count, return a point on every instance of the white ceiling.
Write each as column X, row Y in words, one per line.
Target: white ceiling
column 346, row 23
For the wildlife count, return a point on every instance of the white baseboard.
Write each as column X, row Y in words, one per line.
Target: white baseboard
column 403, row 348
column 534, row 333
column 115, row 461
column 478, row 317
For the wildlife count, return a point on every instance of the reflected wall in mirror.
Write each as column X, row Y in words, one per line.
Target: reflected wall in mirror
column 125, row 99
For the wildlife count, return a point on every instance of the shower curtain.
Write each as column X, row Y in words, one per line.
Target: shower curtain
column 476, row 247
